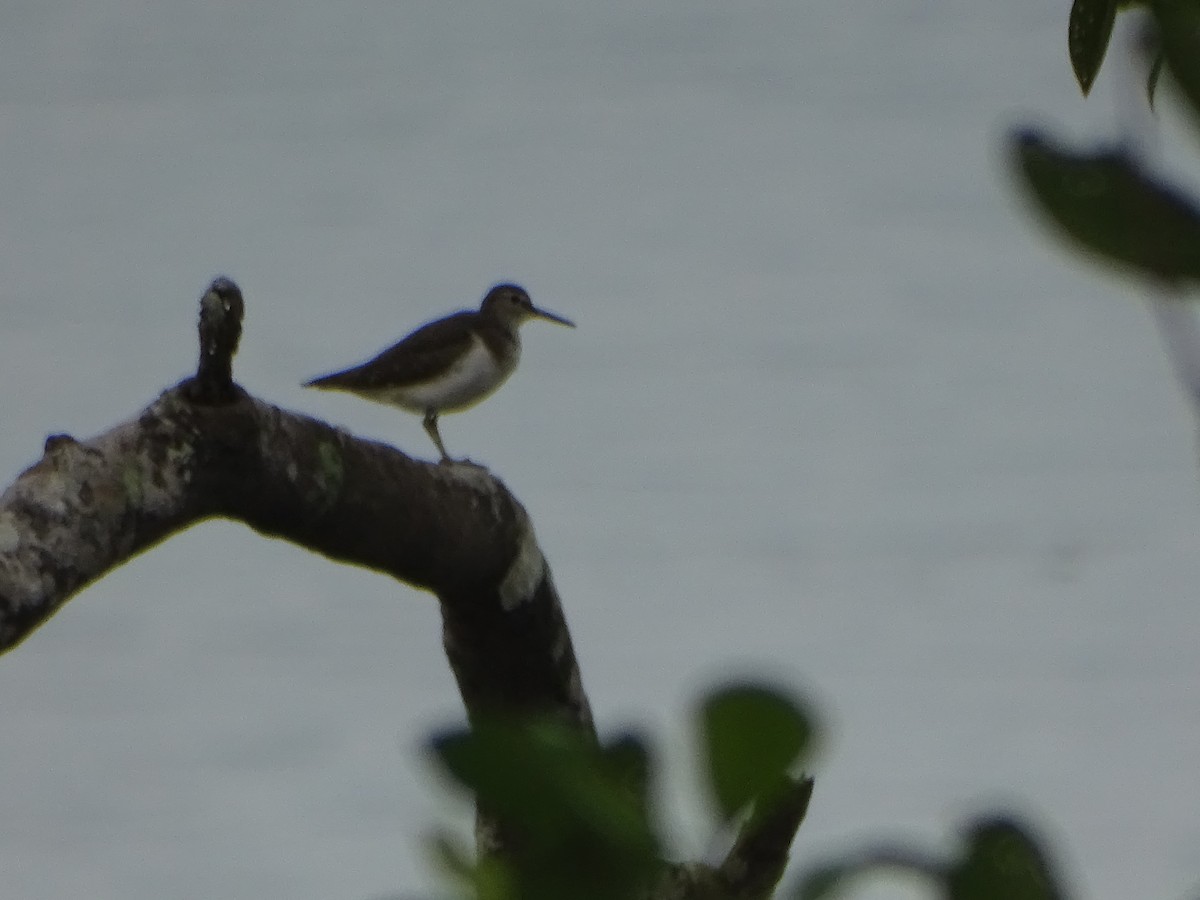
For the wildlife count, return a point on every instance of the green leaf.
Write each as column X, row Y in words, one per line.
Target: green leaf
column 1179, row 39
column 1152, row 77
column 826, row 881
column 1105, row 205
column 628, row 763
column 832, row 879
column 485, row 879
column 1088, row 33
column 571, row 818
column 751, row 736
column 1002, row 861
column 451, row 855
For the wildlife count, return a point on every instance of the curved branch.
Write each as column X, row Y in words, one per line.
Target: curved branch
column 206, row 448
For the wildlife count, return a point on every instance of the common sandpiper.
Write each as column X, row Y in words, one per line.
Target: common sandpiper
column 447, row 365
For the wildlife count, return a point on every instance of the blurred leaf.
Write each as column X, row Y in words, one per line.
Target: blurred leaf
column 1152, row 77
column 451, row 856
column 825, row 882
column 486, row 879
column 576, row 825
column 1147, row 51
column 751, row 736
column 628, row 762
column 1002, row 862
column 832, row 879
column 1179, row 38
column 1104, row 204
column 1088, row 33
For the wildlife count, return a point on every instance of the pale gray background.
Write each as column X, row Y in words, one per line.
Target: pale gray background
column 833, row 413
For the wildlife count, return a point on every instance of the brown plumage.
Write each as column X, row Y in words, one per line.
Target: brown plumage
column 447, row 365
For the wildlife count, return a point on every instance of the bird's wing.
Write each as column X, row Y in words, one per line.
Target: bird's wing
column 425, row 353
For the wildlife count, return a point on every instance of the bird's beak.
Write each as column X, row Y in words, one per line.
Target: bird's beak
column 551, row 317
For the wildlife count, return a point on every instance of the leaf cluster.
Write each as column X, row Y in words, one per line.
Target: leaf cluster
column 575, row 814
column 1103, row 202
column 578, row 821
column 999, row 859
column 1088, row 33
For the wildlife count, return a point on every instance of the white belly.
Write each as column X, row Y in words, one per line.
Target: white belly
column 474, row 376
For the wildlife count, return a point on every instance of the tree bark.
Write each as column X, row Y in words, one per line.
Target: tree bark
column 206, row 448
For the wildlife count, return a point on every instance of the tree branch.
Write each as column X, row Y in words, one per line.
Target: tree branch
column 758, row 857
column 206, row 448
column 754, row 864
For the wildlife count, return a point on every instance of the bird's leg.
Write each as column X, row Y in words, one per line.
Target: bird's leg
column 431, row 429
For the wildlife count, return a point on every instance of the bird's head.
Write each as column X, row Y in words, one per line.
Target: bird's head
column 510, row 304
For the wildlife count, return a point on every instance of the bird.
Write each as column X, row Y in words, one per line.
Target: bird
column 447, row 365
